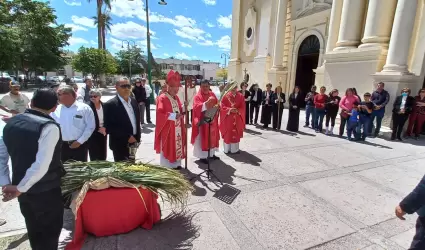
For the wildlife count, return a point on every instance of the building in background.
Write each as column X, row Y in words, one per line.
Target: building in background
column 198, row 68
column 334, row 43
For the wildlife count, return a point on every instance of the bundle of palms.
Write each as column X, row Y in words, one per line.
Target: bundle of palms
column 229, row 87
column 170, row 185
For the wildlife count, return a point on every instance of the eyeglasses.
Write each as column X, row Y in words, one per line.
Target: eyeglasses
column 94, row 96
column 125, row 86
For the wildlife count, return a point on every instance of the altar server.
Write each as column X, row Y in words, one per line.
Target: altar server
column 205, row 99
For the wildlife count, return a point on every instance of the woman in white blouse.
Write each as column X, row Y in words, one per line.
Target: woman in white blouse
column 97, row 141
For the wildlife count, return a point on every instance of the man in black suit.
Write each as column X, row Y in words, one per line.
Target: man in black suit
column 256, row 99
column 122, row 121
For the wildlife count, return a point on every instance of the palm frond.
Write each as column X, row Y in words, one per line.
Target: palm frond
column 229, row 87
column 169, row 184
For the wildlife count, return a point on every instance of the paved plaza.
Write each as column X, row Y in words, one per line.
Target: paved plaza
column 297, row 191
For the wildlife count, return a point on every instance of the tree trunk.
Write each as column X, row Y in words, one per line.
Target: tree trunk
column 104, row 36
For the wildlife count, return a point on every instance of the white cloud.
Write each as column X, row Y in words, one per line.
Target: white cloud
column 185, row 45
column 75, row 27
column 225, row 21
column 182, row 56
column 166, row 55
column 84, row 21
column 72, row 2
column 210, row 2
column 208, row 35
column 224, row 43
column 77, row 40
column 93, row 42
column 211, row 25
column 129, row 30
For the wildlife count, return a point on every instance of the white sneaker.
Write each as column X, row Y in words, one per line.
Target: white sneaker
column 327, row 131
column 331, row 131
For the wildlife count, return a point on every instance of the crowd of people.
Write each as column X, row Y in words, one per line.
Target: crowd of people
column 66, row 123
column 357, row 114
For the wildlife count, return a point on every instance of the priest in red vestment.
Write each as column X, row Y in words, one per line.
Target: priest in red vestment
column 232, row 120
column 204, row 100
column 170, row 135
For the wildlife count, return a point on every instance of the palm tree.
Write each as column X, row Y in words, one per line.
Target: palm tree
column 105, row 23
column 100, row 4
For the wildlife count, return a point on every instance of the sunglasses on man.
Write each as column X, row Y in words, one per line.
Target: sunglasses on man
column 125, row 86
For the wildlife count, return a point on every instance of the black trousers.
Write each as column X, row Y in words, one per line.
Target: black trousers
column 148, row 110
column 277, row 118
column 398, row 123
column 254, row 106
column 43, row 213
column 418, row 242
column 342, row 125
column 246, row 112
column 76, row 154
column 97, row 147
column 330, row 117
column 121, row 153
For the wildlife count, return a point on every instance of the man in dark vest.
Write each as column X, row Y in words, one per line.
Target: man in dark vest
column 83, row 92
column 34, row 144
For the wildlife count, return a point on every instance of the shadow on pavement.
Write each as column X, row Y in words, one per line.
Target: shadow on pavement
column 15, row 244
column 252, row 132
column 306, row 134
column 245, row 157
column 373, row 144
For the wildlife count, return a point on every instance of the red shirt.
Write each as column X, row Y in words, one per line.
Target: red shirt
column 320, row 101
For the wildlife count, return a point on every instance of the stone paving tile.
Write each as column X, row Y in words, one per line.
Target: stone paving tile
column 397, row 177
column 356, row 198
column 337, row 156
column 282, row 218
column 350, row 242
column 404, row 239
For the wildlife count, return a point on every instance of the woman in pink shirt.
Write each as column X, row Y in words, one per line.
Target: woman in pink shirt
column 346, row 105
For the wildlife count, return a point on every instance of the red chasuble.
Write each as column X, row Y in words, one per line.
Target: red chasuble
column 232, row 125
column 198, row 102
column 170, row 136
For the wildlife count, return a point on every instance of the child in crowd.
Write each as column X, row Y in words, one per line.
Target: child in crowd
column 365, row 116
column 353, row 122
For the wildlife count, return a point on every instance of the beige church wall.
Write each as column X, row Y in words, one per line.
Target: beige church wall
column 415, row 52
column 315, row 24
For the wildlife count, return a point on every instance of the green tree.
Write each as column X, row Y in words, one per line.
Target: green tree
column 30, row 37
column 94, row 61
column 133, row 54
column 105, row 23
column 222, row 73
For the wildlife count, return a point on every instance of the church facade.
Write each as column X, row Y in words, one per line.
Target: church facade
column 332, row 43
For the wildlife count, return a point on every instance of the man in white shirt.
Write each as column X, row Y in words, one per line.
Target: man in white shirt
column 148, row 100
column 14, row 102
column 33, row 142
column 4, row 167
column 77, row 123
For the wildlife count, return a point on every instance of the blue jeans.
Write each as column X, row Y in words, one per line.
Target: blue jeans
column 156, row 90
column 365, row 122
column 378, row 114
column 351, row 129
column 318, row 119
column 310, row 110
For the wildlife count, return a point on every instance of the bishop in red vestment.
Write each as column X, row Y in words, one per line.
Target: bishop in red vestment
column 204, row 100
column 170, row 135
column 232, row 120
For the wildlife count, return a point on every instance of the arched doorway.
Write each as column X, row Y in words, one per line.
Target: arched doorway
column 308, row 58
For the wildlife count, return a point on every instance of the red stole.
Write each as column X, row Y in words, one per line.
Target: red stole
column 197, row 116
column 170, row 136
column 232, row 125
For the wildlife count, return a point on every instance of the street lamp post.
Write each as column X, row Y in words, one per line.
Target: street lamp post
column 225, row 56
column 129, row 52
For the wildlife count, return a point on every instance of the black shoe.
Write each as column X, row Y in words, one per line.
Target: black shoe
column 214, row 157
column 149, row 122
column 306, row 126
column 205, row 161
column 178, row 168
column 392, row 138
column 416, row 137
column 399, row 138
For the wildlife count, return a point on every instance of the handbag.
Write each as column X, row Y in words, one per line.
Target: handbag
column 344, row 114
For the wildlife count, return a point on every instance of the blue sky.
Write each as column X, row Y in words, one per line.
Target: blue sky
column 185, row 29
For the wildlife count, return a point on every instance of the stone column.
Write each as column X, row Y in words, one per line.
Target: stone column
column 334, row 23
column 280, row 34
column 402, row 31
column 380, row 14
column 351, row 24
column 235, row 49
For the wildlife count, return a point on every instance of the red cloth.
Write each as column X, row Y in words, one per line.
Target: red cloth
column 165, row 134
column 320, row 101
column 232, row 125
column 114, row 211
column 197, row 115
